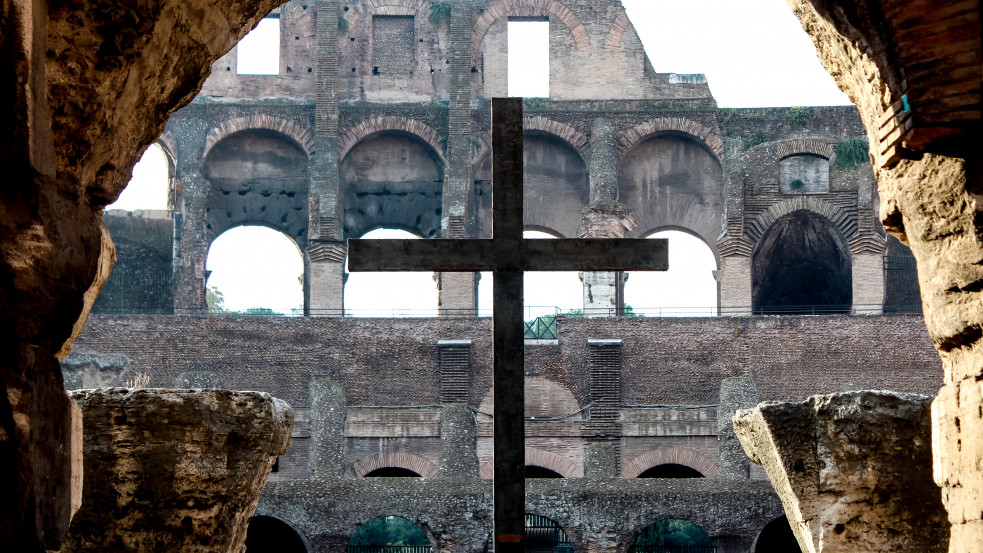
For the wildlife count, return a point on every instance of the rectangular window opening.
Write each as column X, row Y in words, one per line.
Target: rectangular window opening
column 258, row 53
column 393, row 46
column 529, row 58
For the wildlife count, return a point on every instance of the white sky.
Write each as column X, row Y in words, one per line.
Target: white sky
column 753, row 52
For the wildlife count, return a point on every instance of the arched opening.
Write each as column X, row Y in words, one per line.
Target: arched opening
column 392, row 179
column 389, row 534
column 687, row 289
column 397, row 294
column 258, row 176
column 254, row 270
column 673, row 180
column 272, row 535
column 555, row 184
column 901, row 291
column 393, row 472
column 777, row 537
column 533, row 471
column 672, row 536
column 671, row 470
column 544, row 535
column 802, row 266
column 148, row 187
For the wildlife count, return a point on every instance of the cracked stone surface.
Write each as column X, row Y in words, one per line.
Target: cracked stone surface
column 853, row 470
column 174, row 470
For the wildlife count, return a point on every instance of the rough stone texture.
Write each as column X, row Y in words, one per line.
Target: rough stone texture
column 929, row 182
column 174, row 470
column 738, row 392
column 852, row 470
column 87, row 87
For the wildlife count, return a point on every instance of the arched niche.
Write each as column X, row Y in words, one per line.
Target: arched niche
column 392, row 179
column 267, row 534
column 392, row 472
column 375, row 534
column 387, row 293
column 536, row 471
column 901, row 291
column 777, row 537
column 257, row 176
column 555, row 184
column 802, row 265
column 671, row 470
column 672, row 180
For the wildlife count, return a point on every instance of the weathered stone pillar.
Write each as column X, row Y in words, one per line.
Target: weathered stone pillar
column 325, row 282
column 738, row 392
column 734, row 281
column 174, row 470
column 328, row 412
column 458, row 442
column 457, row 294
column 735, row 285
column 868, row 283
column 852, row 470
column 601, row 460
column 193, row 240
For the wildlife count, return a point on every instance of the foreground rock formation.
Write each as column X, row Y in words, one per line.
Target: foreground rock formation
column 174, row 470
column 852, row 469
column 86, row 86
column 914, row 71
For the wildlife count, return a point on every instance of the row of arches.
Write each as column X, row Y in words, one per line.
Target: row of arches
column 393, row 534
column 665, row 470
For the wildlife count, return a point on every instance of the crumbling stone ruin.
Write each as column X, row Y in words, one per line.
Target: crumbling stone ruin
column 93, row 86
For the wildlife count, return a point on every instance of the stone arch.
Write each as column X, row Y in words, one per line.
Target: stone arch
column 777, row 535
column 798, row 146
column 269, row 533
column 384, row 123
column 560, row 465
column 528, row 8
column 401, row 459
column 757, row 227
column 562, row 131
column 617, row 32
column 712, row 245
column 257, row 176
column 557, row 184
column 704, row 136
column 303, row 137
column 685, row 456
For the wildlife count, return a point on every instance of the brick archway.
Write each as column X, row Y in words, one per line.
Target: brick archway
column 528, row 8
column 796, row 146
column 384, row 123
column 674, row 455
column 303, row 137
column 541, row 458
column 636, row 135
column 841, row 219
column 398, row 459
column 568, row 134
column 617, row 32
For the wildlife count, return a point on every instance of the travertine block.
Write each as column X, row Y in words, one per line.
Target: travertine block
column 174, row 470
column 853, row 470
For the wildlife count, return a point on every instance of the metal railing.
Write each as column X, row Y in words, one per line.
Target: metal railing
column 389, row 549
column 672, row 549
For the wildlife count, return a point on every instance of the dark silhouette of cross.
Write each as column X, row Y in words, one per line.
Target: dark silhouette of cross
column 507, row 255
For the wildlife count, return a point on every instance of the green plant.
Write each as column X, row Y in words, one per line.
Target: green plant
column 342, row 25
column 760, row 136
column 439, row 11
column 797, row 184
column 798, row 114
column 851, row 153
column 750, row 116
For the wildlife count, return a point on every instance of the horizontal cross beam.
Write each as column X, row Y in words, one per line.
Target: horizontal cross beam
column 464, row 255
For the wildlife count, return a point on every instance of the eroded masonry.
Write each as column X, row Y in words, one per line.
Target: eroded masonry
column 377, row 115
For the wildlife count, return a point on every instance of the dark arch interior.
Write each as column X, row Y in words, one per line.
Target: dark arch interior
column 544, row 535
column 393, row 472
column 271, row 535
column 659, row 536
column 901, row 292
column 257, row 177
column 802, row 266
column 777, row 537
column 387, row 530
column 533, row 471
column 671, row 470
column 392, row 179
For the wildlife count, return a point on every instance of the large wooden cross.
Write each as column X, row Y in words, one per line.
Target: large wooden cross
column 507, row 255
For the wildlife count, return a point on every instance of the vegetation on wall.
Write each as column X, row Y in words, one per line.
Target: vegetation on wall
column 342, row 25
column 851, row 153
column 798, row 115
column 439, row 11
column 796, row 184
column 760, row 136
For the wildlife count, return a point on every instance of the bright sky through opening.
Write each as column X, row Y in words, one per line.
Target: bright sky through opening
column 258, row 53
column 529, row 59
column 257, row 266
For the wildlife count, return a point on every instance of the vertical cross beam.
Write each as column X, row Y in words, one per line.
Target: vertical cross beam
column 509, row 346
